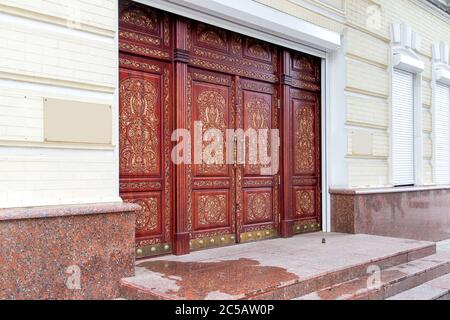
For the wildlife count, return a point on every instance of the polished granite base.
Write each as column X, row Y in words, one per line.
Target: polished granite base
column 412, row 213
column 66, row 252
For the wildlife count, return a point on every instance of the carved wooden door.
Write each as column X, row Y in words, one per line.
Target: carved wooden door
column 211, row 180
column 305, row 134
column 144, row 154
column 257, row 207
column 222, row 80
column 145, row 124
column 306, row 191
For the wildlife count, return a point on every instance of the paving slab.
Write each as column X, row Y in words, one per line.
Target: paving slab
column 279, row 268
column 435, row 289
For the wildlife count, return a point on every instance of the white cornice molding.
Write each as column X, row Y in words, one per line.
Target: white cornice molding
column 441, row 67
column 256, row 20
column 408, row 63
column 426, row 5
column 405, row 46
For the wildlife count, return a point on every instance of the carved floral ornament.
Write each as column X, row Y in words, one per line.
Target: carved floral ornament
column 304, row 140
column 258, row 50
column 259, row 207
column 211, row 105
column 147, row 218
column 139, row 126
column 212, row 210
column 140, row 16
column 258, row 116
column 212, row 36
column 304, row 64
column 216, row 143
column 304, row 200
column 259, row 113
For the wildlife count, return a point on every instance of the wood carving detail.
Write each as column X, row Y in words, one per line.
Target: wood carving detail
column 140, row 186
column 236, row 44
column 259, row 207
column 139, row 128
column 259, row 118
column 141, row 17
column 305, row 72
column 212, row 184
column 304, row 140
column 138, row 65
column 212, row 110
column 167, row 156
column 211, row 36
column 305, row 203
column 258, row 49
column 136, row 49
column 147, row 218
column 259, row 112
column 139, row 37
column 212, row 210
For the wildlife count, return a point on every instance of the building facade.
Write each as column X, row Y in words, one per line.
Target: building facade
column 91, row 93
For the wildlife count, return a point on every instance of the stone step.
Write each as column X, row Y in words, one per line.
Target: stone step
column 148, row 285
column 436, row 289
column 392, row 281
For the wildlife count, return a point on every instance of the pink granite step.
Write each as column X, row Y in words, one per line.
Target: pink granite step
column 436, row 289
column 391, row 282
column 276, row 269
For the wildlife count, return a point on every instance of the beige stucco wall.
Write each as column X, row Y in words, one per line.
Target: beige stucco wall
column 65, row 50
column 325, row 13
column 368, row 52
column 366, row 29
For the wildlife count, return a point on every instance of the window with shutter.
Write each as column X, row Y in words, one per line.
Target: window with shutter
column 442, row 134
column 403, row 128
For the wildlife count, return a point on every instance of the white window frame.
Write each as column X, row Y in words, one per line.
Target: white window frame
column 440, row 76
column 436, row 168
column 418, row 128
column 411, row 85
column 404, row 58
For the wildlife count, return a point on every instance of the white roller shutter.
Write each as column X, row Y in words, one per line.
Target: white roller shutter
column 403, row 128
column 442, row 134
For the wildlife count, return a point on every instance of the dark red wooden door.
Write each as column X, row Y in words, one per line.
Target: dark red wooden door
column 211, row 184
column 145, row 124
column 304, row 125
column 257, row 206
column 176, row 73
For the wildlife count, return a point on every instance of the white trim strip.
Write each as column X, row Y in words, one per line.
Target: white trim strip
column 255, row 20
column 407, row 63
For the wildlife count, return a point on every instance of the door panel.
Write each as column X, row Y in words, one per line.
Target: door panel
column 141, row 124
column 258, row 206
column 145, row 122
column 212, row 210
column 210, row 96
column 257, row 191
column 144, row 154
column 306, row 195
column 149, row 222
